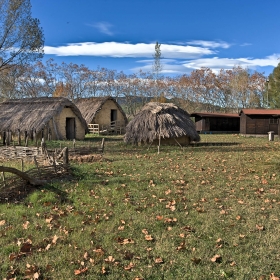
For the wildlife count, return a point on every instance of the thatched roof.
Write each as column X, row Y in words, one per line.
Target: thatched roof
column 89, row 107
column 160, row 119
column 33, row 113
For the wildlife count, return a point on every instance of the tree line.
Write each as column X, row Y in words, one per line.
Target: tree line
column 226, row 91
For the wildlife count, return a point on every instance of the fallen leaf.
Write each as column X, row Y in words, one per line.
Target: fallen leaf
column 145, row 231
column 110, row 259
column 159, row 260
column 129, row 267
column 2, row 222
column 216, row 258
column 148, row 237
column 258, row 227
column 273, row 277
column 25, row 225
column 80, row 271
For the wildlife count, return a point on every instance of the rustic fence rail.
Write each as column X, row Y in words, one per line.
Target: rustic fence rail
column 49, row 163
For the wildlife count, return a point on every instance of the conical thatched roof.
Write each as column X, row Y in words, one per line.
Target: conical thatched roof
column 160, row 119
column 89, row 107
column 33, row 113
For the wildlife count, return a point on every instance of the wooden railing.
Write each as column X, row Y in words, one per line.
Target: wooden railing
column 115, row 127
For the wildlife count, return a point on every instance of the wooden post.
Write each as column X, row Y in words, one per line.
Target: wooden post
column 4, row 138
column 3, row 176
column 37, row 165
column 25, row 138
column 49, row 134
column 159, row 141
column 65, row 156
column 54, row 163
column 74, row 145
column 19, row 140
column 31, row 135
column 43, row 146
column 35, row 137
column 8, row 138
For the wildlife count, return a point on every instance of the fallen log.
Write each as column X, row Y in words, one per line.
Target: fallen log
column 23, row 175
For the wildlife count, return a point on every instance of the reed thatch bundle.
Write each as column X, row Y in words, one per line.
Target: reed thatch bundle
column 33, row 114
column 89, row 107
column 160, row 120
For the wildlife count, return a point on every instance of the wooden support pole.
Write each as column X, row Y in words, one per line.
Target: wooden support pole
column 31, row 135
column 19, row 140
column 26, row 138
column 54, row 163
column 4, row 138
column 37, row 165
column 65, row 156
column 8, row 138
column 3, row 176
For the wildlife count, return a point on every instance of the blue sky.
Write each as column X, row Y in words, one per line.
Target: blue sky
column 121, row 34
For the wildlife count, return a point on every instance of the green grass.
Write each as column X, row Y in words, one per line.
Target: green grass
column 142, row 215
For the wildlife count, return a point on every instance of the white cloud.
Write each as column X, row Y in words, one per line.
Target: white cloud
column 216, row 63
column 103, row 27
column 176, row 58
column 210, row 44
column 114, row 49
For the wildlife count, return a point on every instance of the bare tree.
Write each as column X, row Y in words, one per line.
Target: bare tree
column 21, row 38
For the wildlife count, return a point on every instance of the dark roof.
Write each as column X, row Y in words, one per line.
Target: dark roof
column 89, row 107
column 33, row 113
column 217, row 115
column 260, row 111
column 160, row 119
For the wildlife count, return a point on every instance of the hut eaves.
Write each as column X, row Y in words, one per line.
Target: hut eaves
column 33, row 113
column 89, row 107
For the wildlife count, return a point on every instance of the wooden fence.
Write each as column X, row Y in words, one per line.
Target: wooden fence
column 48, row 163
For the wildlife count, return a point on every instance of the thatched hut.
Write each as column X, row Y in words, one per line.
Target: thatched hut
column 161, row 122
column 103, row 111
column 53, row 118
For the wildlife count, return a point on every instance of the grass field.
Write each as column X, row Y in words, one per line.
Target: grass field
column 209, row 212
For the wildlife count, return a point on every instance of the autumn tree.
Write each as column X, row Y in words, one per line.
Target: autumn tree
column 21, row 37
column 273, row 88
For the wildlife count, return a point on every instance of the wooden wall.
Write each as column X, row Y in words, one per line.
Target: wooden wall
column 258, row 124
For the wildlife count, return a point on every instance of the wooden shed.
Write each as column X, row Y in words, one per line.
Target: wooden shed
column 216, row 122
column 53, row 118
column 163, row 123
column 102, row 114
column 259, row 121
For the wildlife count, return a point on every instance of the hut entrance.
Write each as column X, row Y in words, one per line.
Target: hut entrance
column 113, row 115
column 70, row 128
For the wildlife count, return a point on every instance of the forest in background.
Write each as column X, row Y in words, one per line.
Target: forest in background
column 202, row 90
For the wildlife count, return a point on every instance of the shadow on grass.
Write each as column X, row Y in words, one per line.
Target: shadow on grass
column 21, row 190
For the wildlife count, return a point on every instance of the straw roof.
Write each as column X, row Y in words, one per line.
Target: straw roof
column 160, row 119
column 89, row 107
column 33, row 113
